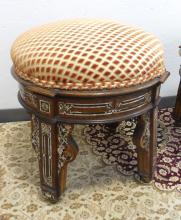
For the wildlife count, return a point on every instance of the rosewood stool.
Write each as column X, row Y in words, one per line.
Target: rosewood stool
column 177, row 109
column 82, row 72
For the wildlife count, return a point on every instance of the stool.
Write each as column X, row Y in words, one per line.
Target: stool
column 83, row 72
column 177, row 109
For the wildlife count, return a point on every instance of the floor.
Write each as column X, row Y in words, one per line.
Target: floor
column 102, row 181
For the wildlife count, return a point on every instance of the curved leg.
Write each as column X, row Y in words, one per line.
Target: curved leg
column 67, row 152
column 55, row 148
column 145, row 138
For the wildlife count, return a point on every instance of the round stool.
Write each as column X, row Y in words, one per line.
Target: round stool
column 82, row 72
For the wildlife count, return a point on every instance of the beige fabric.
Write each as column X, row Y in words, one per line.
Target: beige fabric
column 87, row 54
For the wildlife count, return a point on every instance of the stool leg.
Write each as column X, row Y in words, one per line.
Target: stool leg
column 55, row 148
column 145, row 138
column 177, row 109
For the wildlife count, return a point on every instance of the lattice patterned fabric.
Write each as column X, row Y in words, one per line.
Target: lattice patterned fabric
column 87, row 54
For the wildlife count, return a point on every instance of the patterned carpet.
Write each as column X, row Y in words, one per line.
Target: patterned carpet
column 117, row 149
column 101, row 185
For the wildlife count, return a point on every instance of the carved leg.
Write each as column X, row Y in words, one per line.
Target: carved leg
column 55, row 148
column 145, row 138
column 67, row 152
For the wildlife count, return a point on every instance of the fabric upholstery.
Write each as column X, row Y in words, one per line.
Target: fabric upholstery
column 87, row 54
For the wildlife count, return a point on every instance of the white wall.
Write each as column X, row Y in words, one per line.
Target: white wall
column 161, row 17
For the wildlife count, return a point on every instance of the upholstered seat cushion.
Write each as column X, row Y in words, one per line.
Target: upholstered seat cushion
column 87, row 54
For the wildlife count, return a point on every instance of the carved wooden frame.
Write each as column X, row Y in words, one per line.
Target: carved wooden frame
column 54, row 112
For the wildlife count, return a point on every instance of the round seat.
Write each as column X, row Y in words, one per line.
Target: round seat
column 87, row 54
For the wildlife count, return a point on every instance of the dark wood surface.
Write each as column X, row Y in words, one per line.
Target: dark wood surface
column 177, row 110
column 20, row 114
column 54, row 112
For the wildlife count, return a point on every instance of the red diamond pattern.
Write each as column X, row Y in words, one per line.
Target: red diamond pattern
column 87, row 54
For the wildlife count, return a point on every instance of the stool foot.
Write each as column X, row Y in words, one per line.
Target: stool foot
column 55, row 148
column 145, row 138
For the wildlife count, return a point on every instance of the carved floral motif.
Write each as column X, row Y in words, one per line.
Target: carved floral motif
column 44, row 106
column 146, row 131
column 65, row 108
column 46, row 150
column 49, row 195
column 147, row 97
column 106, row 107
column 63, row 134
column 29, row 98
column 35, row 135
